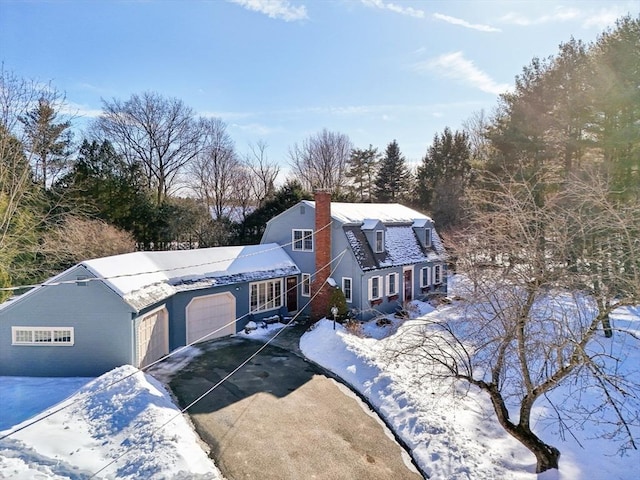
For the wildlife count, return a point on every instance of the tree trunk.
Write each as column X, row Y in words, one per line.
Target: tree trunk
column 547, row 456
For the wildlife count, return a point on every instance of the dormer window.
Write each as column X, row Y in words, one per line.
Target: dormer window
column 427, row 237
column 379, row 244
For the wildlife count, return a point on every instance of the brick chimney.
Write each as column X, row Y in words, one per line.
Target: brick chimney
column 320, row 304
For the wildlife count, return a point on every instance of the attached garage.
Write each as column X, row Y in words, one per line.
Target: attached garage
column 153, row 337
column 212, row 313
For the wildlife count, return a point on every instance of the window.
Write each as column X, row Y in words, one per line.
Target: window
column 392, row 284
column 42, row 336
column 374, row 288
column 437, row 274
column 379, row 241
column 302, row 240
column 425, row 277
column 306, row 285
column 265, row 295
column 427, row 237
column 346, row 289
column 82, row 280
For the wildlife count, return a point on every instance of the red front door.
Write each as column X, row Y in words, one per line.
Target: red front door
column 292, row 294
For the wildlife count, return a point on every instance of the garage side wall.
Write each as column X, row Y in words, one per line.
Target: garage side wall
column 101, row 324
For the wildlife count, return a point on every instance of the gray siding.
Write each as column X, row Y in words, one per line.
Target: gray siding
column 279, row 230
column 102, row 325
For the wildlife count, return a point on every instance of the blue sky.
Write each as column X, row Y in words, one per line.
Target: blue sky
column 281, row 70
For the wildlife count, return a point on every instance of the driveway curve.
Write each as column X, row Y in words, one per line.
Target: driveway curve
column 280, row 417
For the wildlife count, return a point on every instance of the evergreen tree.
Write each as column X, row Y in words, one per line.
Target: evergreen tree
column 443, row 176
column 250, row 231
column 362, row 172
column 393, row 177
column 47, row 140
column 100, row 183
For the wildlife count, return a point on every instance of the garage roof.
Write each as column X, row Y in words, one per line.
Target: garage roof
column 143, row 278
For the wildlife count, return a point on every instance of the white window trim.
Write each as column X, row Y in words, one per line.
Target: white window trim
column 437, row 274
column 380, row 289
column 269, row 286
column 389, row 292
column 47, row 330
column 305, row 285
column 349, row 299
column 427, row 237
column 375, row 240
column 428, row 270
column 306, row 233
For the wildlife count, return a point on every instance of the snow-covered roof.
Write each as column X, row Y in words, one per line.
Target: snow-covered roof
column 357, row 213
column 401, row 247
column 143, row 278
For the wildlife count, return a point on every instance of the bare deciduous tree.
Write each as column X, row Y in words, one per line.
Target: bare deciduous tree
column 321, row 161
column 160, row 133
column 532, row 312
column 78, row 239
column 264, row 172
column 216, row 171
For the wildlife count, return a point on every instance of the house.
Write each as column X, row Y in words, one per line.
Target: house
column 135, row 308
column 379, row 255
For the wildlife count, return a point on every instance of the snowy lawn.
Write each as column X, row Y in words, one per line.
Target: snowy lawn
column 450, row 428
column 121, row 425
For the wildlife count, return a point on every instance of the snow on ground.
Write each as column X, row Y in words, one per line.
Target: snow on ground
column 121, row 425
column 451, row 429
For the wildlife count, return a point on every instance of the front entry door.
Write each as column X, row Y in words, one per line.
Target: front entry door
column 408, row 285
column 292, row 294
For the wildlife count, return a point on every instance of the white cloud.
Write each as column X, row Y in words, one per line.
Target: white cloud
column 278, row 9
column 77, row 110
column 464, row 23
column 602, row 19
column 412, row 12
column 587, row 18
column 255, row 128
column 455, row 66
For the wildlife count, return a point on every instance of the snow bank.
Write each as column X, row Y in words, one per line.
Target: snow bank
column 451, row 429
column 122, row 425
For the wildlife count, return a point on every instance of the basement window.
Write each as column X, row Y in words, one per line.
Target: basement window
column 42, row 336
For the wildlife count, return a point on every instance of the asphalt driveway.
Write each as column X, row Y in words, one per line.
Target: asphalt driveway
column 281, row 418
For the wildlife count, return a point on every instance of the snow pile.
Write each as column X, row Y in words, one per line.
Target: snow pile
column 450, row 428
column 121, row 425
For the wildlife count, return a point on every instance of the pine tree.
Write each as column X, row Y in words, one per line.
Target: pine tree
column 393, row 178
column 362, row 172
column 48, row 142
column 443, row 176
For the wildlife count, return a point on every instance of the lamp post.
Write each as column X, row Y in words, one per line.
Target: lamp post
column 334, row 312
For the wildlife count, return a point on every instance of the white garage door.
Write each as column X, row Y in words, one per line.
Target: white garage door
column 153, row 337
column 211, row 317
